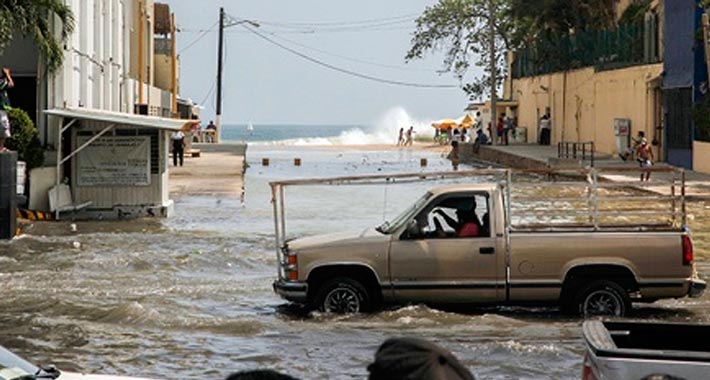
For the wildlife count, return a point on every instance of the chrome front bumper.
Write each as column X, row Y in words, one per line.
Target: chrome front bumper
column 697, row 288
column 292, row 291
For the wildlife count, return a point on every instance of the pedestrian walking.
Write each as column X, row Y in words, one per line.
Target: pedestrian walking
column 636, row 143
column 507, row 128
column 545, row 129
column 500, row 129
column 178, row 139
column 644, row 155
column 6, row 83
column 410, row 136
column 400, row 140
column 454, row 155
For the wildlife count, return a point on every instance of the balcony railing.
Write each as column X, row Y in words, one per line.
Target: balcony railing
column 627, row 45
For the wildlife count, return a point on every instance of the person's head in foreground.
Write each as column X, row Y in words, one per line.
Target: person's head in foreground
column 661, row 377
column 265, row 374
column 415, row 359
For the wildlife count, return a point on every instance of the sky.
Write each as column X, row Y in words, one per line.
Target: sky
column 265, row 84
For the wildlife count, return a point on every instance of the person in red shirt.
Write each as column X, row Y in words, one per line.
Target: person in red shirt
column 466, row 224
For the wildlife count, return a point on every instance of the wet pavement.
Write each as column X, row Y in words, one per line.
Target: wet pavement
column 191, row 297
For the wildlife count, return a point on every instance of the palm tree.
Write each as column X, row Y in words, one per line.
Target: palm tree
column 34, row 19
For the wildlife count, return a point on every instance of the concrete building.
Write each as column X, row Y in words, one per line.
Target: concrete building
column 84, row 110
column 685, row 83
column 613, row 86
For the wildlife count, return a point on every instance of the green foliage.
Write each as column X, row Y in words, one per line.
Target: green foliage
column 701, row 117
column 565, row 16
column 460, row 29
column 33, row 18
column 635, row 12
column 25, row 139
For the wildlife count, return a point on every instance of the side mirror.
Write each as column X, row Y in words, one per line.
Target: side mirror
column 413, row 229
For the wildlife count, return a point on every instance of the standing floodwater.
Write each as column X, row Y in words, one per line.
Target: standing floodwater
column 191, row 297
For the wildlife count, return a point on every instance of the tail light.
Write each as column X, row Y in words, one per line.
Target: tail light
column 687, row 250
column 587, row 370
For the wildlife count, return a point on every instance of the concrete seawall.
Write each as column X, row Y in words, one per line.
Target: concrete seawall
column 497, row 157
column 218, row 171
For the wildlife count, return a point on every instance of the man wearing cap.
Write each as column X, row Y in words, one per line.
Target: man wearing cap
column 644, row 155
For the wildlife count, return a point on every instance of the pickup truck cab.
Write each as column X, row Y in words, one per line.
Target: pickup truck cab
column 457, row 245
column 638, row 350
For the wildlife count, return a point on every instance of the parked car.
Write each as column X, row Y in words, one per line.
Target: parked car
column 13, row 367
column 588, row 268
column 636, row 350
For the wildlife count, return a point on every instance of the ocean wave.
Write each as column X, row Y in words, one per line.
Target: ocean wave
column 385, row 131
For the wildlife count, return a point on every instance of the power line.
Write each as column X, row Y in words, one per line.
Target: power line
column 199, row 37
column 340, row 27
column 328, row 31
column 350, row 58
column 346, row 71
column 209, row 93
column 410, row 16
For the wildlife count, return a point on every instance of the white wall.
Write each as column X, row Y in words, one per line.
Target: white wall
column 94, row 60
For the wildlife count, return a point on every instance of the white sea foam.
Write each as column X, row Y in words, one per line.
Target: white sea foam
column 385, row 131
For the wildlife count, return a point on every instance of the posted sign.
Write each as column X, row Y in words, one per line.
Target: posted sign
column 114, row 161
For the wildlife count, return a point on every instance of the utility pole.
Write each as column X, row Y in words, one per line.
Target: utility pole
column 494, row 73
column 140, row 52
column 173, row 65
column 218, row 108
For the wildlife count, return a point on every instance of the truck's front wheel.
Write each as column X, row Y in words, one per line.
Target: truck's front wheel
column 342, row 295
column 602, row 298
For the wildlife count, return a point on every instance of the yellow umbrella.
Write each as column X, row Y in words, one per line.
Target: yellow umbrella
column 445, row 124
column 466, row 122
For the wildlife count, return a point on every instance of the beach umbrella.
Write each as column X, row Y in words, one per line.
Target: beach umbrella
column 445, row 124
column 465, row 122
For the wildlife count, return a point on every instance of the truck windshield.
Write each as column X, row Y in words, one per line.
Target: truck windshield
column 389, row 227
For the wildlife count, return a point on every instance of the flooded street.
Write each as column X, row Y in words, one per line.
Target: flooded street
column 191, row 297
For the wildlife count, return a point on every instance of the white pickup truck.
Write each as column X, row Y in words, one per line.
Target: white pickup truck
column 592, row 248
column 638, row 350
column 13, row 367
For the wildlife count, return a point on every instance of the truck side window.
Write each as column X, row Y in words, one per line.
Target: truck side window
column 457, row 217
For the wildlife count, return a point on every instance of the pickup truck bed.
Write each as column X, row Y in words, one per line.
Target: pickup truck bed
column 633, row 350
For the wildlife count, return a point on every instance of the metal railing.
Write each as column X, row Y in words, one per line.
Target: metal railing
column 624, row 46
column 580, row 150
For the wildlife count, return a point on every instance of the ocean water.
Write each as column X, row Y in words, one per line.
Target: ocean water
column 385, row 130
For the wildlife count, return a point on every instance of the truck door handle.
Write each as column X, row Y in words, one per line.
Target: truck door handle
column 487, row 250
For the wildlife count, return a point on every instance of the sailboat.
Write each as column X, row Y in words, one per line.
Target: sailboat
column 250, row 128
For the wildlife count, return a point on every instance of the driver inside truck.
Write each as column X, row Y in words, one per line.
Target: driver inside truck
column 465, row 225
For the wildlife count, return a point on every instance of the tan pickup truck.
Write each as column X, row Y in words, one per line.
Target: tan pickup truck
column 458, row 245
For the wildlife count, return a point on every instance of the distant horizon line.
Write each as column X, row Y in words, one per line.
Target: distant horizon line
column 297, row 124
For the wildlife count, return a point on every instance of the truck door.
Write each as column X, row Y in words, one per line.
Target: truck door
column 448, row 253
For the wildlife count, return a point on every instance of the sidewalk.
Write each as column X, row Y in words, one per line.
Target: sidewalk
column 219, row 171
column 532, row 156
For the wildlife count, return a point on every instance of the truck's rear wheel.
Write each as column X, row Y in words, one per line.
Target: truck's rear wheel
column 342, row 295
column 602, row 298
